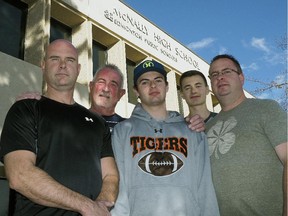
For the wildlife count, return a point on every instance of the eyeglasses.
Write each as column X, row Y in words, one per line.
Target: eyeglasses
column 225, row 72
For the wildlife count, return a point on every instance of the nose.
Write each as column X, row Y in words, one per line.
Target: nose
column 220, row 76
column 193, row 90
column 106, row 88
column 152, row 84
column 62, row 64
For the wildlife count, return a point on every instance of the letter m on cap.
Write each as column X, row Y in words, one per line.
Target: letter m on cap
column 148, row 64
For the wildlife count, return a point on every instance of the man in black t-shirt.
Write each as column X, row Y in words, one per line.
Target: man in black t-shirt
column 57, row 154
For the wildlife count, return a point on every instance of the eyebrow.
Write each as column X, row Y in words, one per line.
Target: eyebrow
column 71, row 58
column 103, row 79
column 184, row 86
column 146, row 79
column 55, row 56
column 113, row 81
column 198, row 83
column 223, row 70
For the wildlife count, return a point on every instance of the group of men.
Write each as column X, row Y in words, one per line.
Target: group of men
column 59, row 156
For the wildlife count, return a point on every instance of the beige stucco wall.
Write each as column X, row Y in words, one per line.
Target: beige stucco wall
column 16, row 76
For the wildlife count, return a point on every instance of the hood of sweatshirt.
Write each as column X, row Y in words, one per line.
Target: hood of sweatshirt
column 142, row 114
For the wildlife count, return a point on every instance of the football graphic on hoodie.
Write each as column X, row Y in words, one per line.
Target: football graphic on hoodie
column 160, row 163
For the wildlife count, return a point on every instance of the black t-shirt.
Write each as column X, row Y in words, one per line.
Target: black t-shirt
column 113, row 120
column 211, row 116
column 69, row 142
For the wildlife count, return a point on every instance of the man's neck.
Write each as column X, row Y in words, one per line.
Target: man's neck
column 103, row 111
column 226, row 106
column 200, row 110
column 61, row 97
column 157, row 112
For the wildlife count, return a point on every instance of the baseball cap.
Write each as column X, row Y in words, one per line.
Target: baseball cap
column 147, row 66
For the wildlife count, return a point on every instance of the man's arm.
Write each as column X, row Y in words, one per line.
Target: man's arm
column 110, row 178
column 281, row 151
column 39, row 187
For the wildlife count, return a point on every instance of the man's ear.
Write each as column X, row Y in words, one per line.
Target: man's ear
column 91, row 83
column 42, row 65
column 135, row 91
column 207, row 90
column 122, row 92
column 79, row 68
column 181, row 93
column 167, row 87
column 242, row 78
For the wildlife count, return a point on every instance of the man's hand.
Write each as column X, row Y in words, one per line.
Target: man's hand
column 29, row 95
column 196, row 123
column 100, row 208
column 109, row 205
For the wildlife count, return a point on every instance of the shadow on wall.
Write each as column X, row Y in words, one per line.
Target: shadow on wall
column 16, row 76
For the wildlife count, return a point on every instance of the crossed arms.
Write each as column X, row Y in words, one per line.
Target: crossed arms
column 39, row 187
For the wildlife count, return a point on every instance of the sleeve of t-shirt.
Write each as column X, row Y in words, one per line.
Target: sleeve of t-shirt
column 107, row 150
column 275, row 123
column 20, row 128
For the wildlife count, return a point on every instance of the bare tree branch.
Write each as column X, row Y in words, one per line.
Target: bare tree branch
column 272, row 85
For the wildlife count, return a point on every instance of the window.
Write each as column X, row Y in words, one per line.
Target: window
column 130, row 65
column 59, row 31
column 99, row 56
column 133, row 58
column 12, row 27
column 180, row 100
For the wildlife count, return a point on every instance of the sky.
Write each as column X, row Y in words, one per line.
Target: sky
column 250, row 30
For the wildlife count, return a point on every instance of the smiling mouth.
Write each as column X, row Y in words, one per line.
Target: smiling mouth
column 105, row 96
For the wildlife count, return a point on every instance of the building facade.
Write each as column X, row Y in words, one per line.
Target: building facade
column 103, row 32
